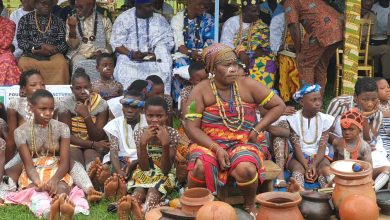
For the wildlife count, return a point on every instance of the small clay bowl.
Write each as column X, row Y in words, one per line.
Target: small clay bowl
column 156, row 213
column 383, row 201
column 176, row 214
column 193, row 199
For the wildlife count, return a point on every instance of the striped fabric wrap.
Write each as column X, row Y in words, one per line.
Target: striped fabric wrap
column 384, row 133
column 235, row 143
column 351, row 45
column 78, row 124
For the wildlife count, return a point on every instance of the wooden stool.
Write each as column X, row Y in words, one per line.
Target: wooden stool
column 232, row 195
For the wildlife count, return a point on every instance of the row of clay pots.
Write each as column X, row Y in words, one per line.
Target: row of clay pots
column 353, row 198
column 351, row 188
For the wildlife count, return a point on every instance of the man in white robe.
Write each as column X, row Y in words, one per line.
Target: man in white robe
column 143, row 41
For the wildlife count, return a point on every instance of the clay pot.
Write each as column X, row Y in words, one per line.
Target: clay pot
column 216, row 210
column 279, row 205
column 358, row 207
column 155, row 213
column 167, row 213
column 193, row 199
column 349, row 182
column 383, row 200
column 315, row 206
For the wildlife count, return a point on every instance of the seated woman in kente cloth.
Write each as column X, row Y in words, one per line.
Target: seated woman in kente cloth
column 221, row 121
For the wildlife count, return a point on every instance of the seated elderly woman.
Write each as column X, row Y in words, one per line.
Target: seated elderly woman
column 221, row 121
column 41, row 36
column 9, row 71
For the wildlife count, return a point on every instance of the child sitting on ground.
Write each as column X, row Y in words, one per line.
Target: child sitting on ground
column 86, row 114
column 156, row 148
column 18, row 110
column 366, row 100
column 309, row 132
column 384, row 107
column 43, row 144
column 351, row 146
column 197, row 73
column 18, row 113
column 158, row 89
column 106, row 86
column 123, row 151
column 142, row 86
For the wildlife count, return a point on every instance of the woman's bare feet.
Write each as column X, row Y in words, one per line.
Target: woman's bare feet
column 111, row 187
column 92, row 172
column 55, row 209
column 66, row 208
column 294, row 186
column 93, row 195
column 124, row 207
column 135, row 209
column 122, row 188
column 103, row 173
column 93, row 168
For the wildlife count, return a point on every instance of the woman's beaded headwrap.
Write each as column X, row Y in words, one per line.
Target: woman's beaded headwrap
column 216, row 54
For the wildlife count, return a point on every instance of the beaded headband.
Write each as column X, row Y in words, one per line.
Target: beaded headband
column 306, row 89
column 132, row 102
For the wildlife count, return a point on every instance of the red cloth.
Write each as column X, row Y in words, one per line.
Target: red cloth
column 9, row 71
column 235, row 143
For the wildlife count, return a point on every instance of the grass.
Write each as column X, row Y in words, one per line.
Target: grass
column 97, row 211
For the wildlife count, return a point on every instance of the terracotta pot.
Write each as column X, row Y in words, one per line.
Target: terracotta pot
column 216, row 210
column 279, row 205
column 349, row 182
column 358, row 207
column 315, row 206
column 193, row 199
column 383, row 201
column 155, row 213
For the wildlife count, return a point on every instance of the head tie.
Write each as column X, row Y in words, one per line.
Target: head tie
column 306, row 89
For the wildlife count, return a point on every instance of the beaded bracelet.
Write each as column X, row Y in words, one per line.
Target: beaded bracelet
column 267, row 99
column 256, row 131
column 189, row 52
column 130, row 54
column 212, row 146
